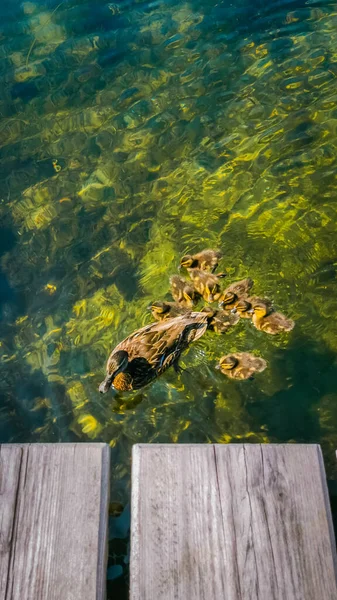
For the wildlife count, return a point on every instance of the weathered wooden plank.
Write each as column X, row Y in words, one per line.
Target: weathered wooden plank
column 231, row 521
column 10, row 465
column 282, row 524
column 53, row 521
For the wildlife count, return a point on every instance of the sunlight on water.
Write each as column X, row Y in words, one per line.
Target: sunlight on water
column 132, row 133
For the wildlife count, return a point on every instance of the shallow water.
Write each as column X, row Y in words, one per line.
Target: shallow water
column 131, row 133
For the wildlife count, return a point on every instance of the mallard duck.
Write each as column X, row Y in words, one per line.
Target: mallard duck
column 166, row 310
column 234, row 292
column 148, row 352
column 245, row 306
column 220, row 321
column 206, row 260
column 206, row 284
column 267, row 320
column 183, row 292
column 241, row 365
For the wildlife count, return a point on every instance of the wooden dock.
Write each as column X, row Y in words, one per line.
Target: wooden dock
column 53, row 521
column 214, row 522
column 231, row 522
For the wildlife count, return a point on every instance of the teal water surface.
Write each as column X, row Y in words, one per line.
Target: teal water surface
column 131, row 133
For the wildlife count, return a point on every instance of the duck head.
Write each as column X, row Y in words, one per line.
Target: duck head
column 260, row 309
column 243, row 306
column 159, row 308
column 227, row 363
column 190, row 296
column 227, row 299
column 188, row 262
column 117, row 364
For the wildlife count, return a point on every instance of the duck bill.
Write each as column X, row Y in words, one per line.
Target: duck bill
column 210, row 298
column 218, row 367
column 234, row 310
column 106, row 384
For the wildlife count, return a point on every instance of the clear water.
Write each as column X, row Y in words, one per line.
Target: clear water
column 131, row 133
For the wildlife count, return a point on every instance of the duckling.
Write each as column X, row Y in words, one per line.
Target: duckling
column 240, row 288
column 220, row 321
column 183, row 292
column 206, row 260
column 166, row 310
column 228, row 300
column 241, row 365
column 206, row 284
column 244, row 309
column 148, row 352
column 244, row 306
column 267, row 320
column 234, row 292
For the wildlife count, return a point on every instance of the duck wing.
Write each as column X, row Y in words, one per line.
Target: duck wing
column 250, row 361
column 208, row 259
column 171, row 353
column 224, row 320
column 248, row 365
column 240, row 288
column 162, row 343
column 177, row 284
column 276, row 323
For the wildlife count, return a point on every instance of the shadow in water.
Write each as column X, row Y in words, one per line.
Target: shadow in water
column 291, row 414
column 34, row 409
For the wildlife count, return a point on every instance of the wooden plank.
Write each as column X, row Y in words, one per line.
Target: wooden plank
column 53, row 521
column 231, row 522
column 10, row 465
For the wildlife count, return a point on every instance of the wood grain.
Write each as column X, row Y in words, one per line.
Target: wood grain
column 53, row 521
column 231, row 522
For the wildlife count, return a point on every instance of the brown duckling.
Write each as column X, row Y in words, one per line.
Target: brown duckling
column 241, row 288
column 183, row 292
column 234, row 292
column 228, row 300
column 206, row 284
column 206, row 260
column 267, row 320
column 220, row 320
column 148, row 352
column 167, row 310
column 241, row 365
column 244, row 306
